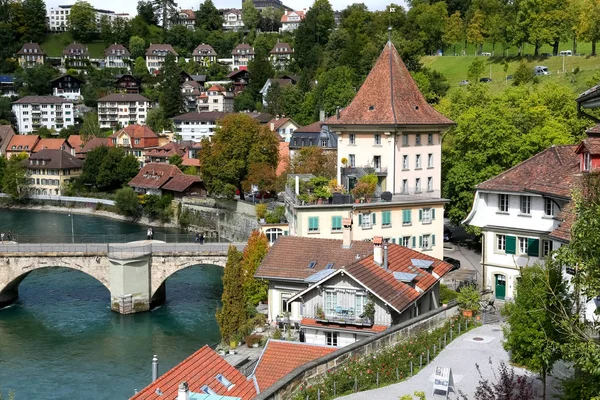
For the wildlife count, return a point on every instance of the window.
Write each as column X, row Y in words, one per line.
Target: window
column 547, row 244
column 426, row 215
column 313, row 224
column 501, row 242
column 587, row 163
column 523, row 245
column 331, row 338
column 359, row 304
column 430, row 184
column 549, row 207
column 430, row 138
column 418, row 185
column 405, row 161
column 377, row 162
column 386, row 219
column 330, row 302
column 377, row 139
column 404, row 186
column 352, row 160
column 405, row 140
column 336, row 224
column 405, row 241
column 366, row 221
column 418, row 161
column 503, row 202
column 273, row 234
column 427, row 242
column 429, row 160
column 406, row 217
column 418, row 139
column 525, row 204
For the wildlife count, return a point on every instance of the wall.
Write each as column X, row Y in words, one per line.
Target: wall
column 313, row 371
column 424, row 172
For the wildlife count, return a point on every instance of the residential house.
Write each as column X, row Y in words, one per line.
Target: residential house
column 194, row 126
column 192, row 91
column 163, row 153
column 136, row 140
column 122, row 109
column 282, row 82
column 242, row 54
column 204, row 55
column 53, row 144
column 7, row 86
column 156, row 55
column 284, row 126
column 325, row 285
column 239, row 79
column 31, row 55
column 290, row 20
column 281, row 55
column 216, row 98
column 52, row 112
column 128, row 84
column 232, row 20
column 49, row 170
column 76, row 143
column 92, row 144
column 76, row 56
column 21, row 144
column 185, row 17
column 6, row 135
column 116, row 56
column 159, row 178
column 68, row 87
column 314, row 135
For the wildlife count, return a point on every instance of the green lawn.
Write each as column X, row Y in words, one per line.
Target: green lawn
column 55, row 43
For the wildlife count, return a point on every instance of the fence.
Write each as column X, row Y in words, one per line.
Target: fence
column 88, row 200
column 109, row 238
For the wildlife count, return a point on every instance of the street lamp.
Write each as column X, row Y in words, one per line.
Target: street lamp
column 218, row 227
column 72, row 229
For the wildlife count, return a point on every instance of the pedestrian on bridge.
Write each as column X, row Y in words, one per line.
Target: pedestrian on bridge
column 2, row 237
column 202, row 238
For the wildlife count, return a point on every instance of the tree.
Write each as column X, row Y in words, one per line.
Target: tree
column 531, row 336
column 90, row 127
column 232, row 314
column 238, row 142
column 106, row 31
column 14, row 181
column 454, row 30
column 171, row 98
column 588, row 23
column 166, row 9
column 34, row 14
column 137, row 47
column 82, row 21
column 476, row 69
column 432, row 84
column 314, row 160
column 157, row 120
column 147, row 12
column 140, row 70
column 523, row 74
column 250, row 16
column 127, row 202
column 108, row 168
column 261, row 71
column 274, row 99
column 35, row 80
column 208, row 17
column 121, row 30
column 255, row 290
column 7, row 117
column 476, row 30
column 313, row 34
column 176, row 160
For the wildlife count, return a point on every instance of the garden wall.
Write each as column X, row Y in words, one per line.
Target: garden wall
column 313, row 371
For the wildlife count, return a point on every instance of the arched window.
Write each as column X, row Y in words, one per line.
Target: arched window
column 273, row 234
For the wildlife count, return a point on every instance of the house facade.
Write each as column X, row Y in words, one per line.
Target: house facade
column 136, row 140
column 281, row 56
column 195, row 126
column 128, row 84
column 216, row 99
column 68, row 87
column 50, row 170
column 284, row 126
column 185, row 17
column 117, row 56
column 204, row 55
column 242, row 54
column 290, row 20
column 76, row 56
column 156, row 54
column 123, row 109
column 31, row 55
column 52, row 112
column 239, row 79
column 232, row 20
column 314, row 135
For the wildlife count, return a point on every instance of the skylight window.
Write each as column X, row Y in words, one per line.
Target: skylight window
column 329, row 266
column 224, row 381
column 312, row 264
column 205, row 389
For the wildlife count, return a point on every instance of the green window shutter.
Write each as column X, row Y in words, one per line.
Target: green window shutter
column 420, row 241
column 433, row 213
column 420, row 215
column 511, row 245
column 433, row 240
column 374, row 218
column 533, row 247
column 285, row 233
column 414, row 241
column 386, row 217
column 310, row 223
column 360, row 219
column 317, row 223
column 394, row 240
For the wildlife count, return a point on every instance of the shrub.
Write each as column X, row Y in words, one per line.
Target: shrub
column 261, row 210
column 127, row 202
column 252, row 339
column 468, row 298
column 277, row 334
column 447, row 294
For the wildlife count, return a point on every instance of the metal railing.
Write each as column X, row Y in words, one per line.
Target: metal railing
column 108, row 238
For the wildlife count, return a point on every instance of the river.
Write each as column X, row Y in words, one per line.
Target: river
column 60, row 340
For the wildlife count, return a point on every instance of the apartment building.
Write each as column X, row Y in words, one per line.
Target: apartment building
column 33, row 112
column 281, row 56
column 57, row 18
column 136, row 140
column 116, row 56
column 123, row 109
column 284, row 126
column 31, row 55
column 204, row 54
column 232, row 20
column 68, row 87
column 156, row 54
column 50, row 170
column 216, row 98
column 290, row 20
column 76, row 56
column 185, row 17
column 195, row 126
column 242, row 54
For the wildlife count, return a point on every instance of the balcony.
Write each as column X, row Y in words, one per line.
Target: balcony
column 359, row 171
column 342, row 316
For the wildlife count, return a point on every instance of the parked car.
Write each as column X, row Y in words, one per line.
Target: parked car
column 454, row 262
column 567, row 53
column 485, row 80
column 541, row 70
column 486, row 54
column 447, row 235
column 509, row 77
column 464, row 83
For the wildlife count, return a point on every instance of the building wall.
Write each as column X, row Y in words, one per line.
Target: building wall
column 317, row 336
column 47, row 115
column 50, row 182
column 279, row 291
column 112, row 113
column 115, row 61
column 195, row 130
column 31, row 60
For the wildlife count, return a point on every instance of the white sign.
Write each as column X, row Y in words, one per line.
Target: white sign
column 443, row 381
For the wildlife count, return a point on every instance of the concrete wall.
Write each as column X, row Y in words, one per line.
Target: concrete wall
column 313, row 372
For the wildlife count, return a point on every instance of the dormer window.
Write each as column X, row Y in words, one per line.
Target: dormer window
column 587, row 162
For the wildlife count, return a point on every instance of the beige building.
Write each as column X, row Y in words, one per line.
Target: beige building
column 122, row 109
column 48, row 171
column 156, row 55
column 31, row 55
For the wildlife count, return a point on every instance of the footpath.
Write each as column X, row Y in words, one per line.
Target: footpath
column 477, row 346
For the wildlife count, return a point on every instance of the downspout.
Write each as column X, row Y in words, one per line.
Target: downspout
column 483, row 262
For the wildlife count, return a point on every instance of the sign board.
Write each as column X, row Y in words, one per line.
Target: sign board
column 443, row 381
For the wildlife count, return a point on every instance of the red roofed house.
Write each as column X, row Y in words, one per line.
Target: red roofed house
column 53, row 144
column 91, row 145
column 326, row 285
column 135, row 139
column 21, row 144
column 156, row 178
column 204, row 372
column 163, row 153
column 290, row 20
column 216, row 98
column 6, row 135
column 184, row 17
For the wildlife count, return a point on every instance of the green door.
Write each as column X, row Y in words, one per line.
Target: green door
column 500, row 287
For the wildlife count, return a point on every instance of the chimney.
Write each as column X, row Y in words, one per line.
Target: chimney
column 337, row 112
column 347, row 238
column 273, row 126
column 286, row 11
column 183, row 393
column 385, row 256
column 297, row 185
column 154, row 368
column 377, row 256
column 322, row 115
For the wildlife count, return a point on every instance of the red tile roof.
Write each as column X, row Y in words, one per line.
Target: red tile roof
column 591, row 145
column 285, row 16
column 190, row 162
column 136, row 131
column 389, row 96
column 548, row 172
column 279, row 358
column 278, row 123
column 566, row 216
column 22, row 143
column 199, row 369
column 52, row 144
column 289, row 257
column 154, row 176
column 310, row 322
column 75, row 141
column 93, row 143
column 166, row 151
column 312, row 128
column 181, row 183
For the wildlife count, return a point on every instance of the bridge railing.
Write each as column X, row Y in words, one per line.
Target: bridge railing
column 108, row 238
column 79, row 248
column 121, row 251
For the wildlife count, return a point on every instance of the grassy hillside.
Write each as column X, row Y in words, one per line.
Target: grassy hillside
column 55, row 43
column 455, row 69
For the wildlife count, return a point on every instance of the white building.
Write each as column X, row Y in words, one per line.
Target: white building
column 242, row 54
column 185, row 17
column 156, row 55
column 195, row 126
column 57, row 18
column 281, row 55
column 216, row 98
column 123, row 109
column 34, row 112
column 67, row 86
column 232, row 20
column 116, row 56
column 284, row 126
column 290, row 20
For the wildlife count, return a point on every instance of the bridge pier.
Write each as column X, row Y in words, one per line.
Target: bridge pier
column 130, row 290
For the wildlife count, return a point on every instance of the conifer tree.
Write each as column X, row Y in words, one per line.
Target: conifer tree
column 232, row 313
column 171, row 99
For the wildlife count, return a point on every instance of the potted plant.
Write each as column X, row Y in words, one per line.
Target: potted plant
column 222, row 348
column 253, row 340
column 320, row 314
column 259, row 322
column 321, row 193
column 468, row 300
column 369, row 311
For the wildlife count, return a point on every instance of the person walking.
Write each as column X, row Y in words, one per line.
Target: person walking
column 149, row 234
column 2, row 237
column 202, row 238
column 197, row 239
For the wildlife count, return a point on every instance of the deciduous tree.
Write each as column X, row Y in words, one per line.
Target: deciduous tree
column 313, row 34
column 208, row 17
column 34, row 13
column 314, row 160
column 250, row 16
column 137, row 47
column 147, row 12
column 454, row 31
column 232, row 314
column 128, row 203
column 255, row 290
column 157, row 120
column 82, row 21
column 14, row 181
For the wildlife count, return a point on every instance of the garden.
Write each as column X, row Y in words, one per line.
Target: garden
column 320, row 190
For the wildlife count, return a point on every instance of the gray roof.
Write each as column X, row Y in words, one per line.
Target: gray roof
column 30, row 48
column 201, row 116
column 204, row 50
column 76, row 49
column 109, row 49
column 124, row 97
column 160, row 47
column 42, row 100
column 312, row 139
column 57, row 159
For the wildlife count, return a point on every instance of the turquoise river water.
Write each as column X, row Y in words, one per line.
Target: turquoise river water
column 60, row 340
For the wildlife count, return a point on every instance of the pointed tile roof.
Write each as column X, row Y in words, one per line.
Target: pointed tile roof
column 389, row 96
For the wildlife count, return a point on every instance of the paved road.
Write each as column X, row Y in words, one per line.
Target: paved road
column 461, row 356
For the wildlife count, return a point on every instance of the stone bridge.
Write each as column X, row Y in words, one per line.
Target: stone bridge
column 134, row 273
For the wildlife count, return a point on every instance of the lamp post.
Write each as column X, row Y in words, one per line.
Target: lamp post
column 218, row 227
column 72, row 229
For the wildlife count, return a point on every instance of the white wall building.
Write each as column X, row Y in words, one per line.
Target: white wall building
column 290, row 20
column 216, row 98
column 57, row 18
column 195, row 126
column 242, row 54
column 156, row 55
column 232, row 20
column 34, row 112
column 123, row 109
column 116, row 56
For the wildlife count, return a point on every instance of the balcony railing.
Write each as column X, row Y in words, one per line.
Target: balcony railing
column 336, row 199
column 341, row 316
column 364, row 170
